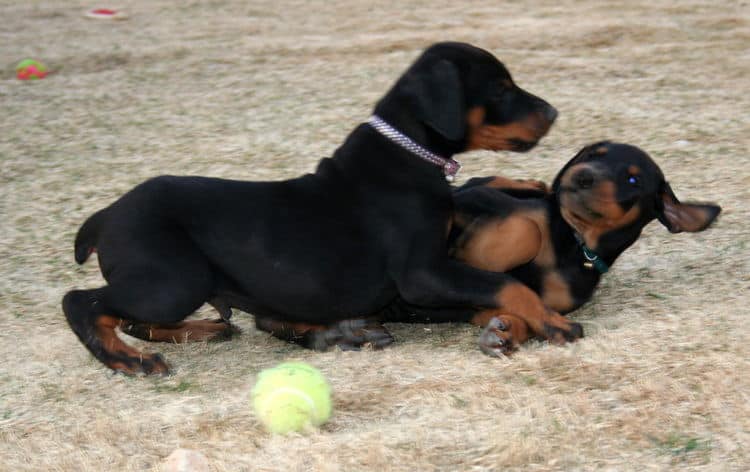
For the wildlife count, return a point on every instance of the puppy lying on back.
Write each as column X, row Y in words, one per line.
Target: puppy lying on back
column 557, row 242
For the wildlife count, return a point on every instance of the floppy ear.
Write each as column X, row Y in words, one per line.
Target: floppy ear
column 438, row 99
column 678, row 217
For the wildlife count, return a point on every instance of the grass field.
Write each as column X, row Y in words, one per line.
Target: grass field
column 262, row 90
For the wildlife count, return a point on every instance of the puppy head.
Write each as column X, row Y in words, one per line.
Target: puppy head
column 609, row 191
column 467, row 97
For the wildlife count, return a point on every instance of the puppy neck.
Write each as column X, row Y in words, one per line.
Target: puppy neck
column 419, row 132
column 607, row 248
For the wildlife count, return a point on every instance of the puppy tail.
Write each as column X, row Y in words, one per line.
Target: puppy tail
column 88, row 236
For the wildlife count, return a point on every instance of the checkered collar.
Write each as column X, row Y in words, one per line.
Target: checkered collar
column 450, row 167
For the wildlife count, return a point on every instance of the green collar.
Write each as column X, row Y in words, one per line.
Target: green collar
column 593, row 261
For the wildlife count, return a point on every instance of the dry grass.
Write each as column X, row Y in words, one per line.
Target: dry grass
column 261, row 90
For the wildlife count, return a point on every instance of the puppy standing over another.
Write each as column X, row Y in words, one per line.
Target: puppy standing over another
column 370, row 224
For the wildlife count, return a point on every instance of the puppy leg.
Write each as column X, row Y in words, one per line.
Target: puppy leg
column 90, row 321
column 360, row 332
column 455, row 284
column 506, row 184
column 221, row 305
column 502, row 334
column 347, row 334
column 135, row 294
column 182, row 332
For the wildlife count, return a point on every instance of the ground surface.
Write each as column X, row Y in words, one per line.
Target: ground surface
column 261, row 90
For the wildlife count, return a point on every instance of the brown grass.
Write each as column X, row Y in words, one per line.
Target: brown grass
column 261, row 90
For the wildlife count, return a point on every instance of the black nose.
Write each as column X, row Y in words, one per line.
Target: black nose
column 550, row 113
column 584, row 179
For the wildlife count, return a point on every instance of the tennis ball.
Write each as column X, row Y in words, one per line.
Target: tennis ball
column 292, row 396
column 29, row 69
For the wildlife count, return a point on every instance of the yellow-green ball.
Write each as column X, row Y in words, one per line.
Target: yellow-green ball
column 292, row 396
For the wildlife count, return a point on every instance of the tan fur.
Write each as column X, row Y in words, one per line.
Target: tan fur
column 503, row 244
column 500, row 137
column 556, row 292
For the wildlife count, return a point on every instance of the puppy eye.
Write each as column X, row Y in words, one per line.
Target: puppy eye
column 634, row 180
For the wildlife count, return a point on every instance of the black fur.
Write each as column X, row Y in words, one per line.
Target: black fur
column 369, row 224
column 637, row 185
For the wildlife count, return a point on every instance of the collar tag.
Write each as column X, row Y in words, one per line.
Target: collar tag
column 593, row 261
column 451, row 169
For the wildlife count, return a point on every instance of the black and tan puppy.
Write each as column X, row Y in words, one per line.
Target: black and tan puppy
column 558, row 242
column 370, row 224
